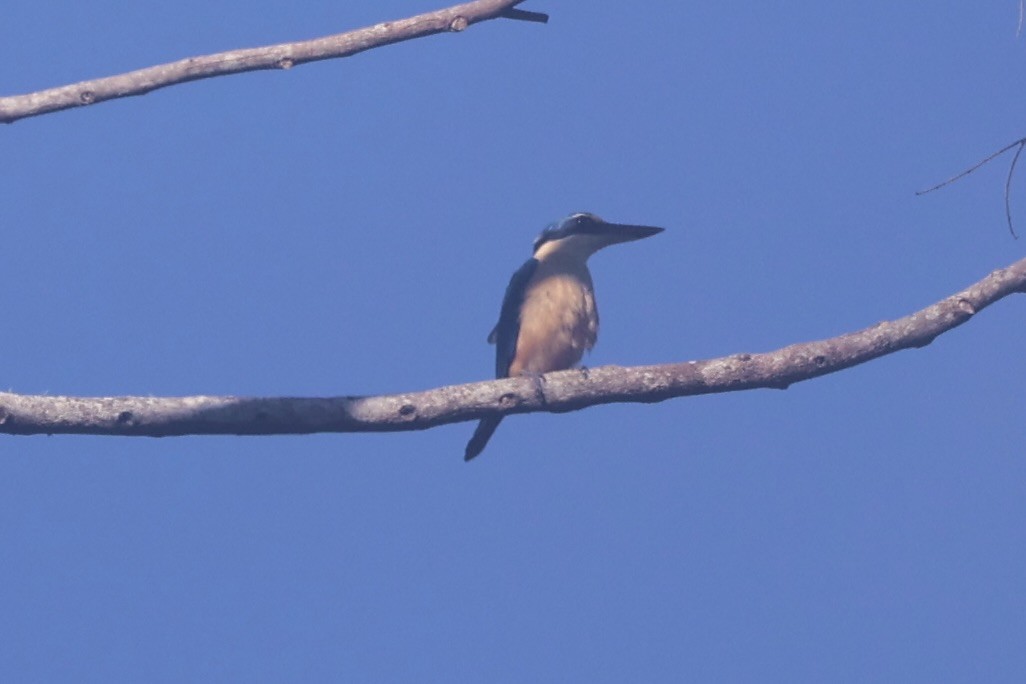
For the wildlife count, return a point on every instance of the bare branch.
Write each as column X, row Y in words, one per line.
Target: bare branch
column 282, row 56
column 561, row 391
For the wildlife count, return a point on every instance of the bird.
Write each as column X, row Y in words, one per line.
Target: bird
column 548, row 317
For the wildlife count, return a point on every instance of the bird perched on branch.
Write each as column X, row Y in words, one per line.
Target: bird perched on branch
column 548, row 317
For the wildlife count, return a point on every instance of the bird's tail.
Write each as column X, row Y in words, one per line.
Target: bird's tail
column 481, row 436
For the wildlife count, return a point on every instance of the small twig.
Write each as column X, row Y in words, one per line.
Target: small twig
column 1008, row 189
column 1020, row 143
column 524, row 15
column 971, row 168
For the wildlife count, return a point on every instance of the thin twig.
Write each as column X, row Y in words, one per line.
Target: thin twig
column 1008, row 180
column 561, row 391
column 1008, row 189
column 281, row 56
column 524, row 15
column 971, row 168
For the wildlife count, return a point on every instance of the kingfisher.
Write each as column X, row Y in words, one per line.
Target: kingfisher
column 548, row 317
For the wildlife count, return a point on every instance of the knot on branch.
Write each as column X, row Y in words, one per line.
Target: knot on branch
column 509, row 400
column 965, row 306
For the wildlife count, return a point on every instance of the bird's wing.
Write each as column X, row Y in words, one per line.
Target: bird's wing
column 504, row 334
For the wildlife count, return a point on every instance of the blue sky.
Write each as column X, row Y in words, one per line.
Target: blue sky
column 348, row 227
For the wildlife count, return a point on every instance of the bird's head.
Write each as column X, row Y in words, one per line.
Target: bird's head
column 582, row 234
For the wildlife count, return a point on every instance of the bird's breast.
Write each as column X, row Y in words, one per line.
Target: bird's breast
column 558, row 321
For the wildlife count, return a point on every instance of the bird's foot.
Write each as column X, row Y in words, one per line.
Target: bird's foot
column 539, row 385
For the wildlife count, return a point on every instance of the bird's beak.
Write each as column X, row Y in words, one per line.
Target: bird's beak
column 625, row 232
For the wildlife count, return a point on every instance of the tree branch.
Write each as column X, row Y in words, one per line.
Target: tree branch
column 282, row 56
column 560, row 392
